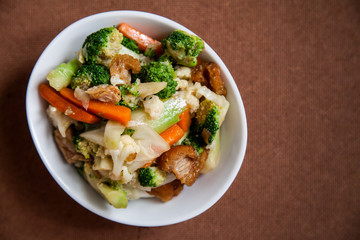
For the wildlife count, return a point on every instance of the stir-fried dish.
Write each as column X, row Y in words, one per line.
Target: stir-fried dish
column 137, row 117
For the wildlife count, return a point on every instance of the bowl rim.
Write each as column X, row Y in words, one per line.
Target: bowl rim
column 225, row 71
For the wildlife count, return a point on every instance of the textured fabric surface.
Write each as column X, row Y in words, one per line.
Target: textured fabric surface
column 296, row 64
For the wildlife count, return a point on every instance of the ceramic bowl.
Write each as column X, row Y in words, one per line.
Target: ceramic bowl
column 192, row 201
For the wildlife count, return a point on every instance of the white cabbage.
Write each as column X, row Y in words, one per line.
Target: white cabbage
column 125, row 51
column 150, row 88
column 59, row 120
column 82, row 96
column 151, row 145
column 95, row 136
column 112, row 134
column 126, row 148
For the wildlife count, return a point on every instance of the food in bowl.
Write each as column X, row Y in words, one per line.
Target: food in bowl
column 136, row 116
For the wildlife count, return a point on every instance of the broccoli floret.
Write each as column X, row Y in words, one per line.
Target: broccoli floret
column 150, row 52
column 159, row 72
column 183, row 47
column 86, row 148
column 129, row 96
column 151, row 177
column 207, row 121
column 204, row 126
column 90, row 75
column 130, row 44
column 193, row 140
column 101, row 46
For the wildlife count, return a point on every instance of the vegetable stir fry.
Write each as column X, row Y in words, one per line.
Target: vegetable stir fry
column 137, row 117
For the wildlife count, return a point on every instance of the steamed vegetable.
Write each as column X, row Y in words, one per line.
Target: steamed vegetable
column 99, row 47
column 90, row 75
column 151, row 177
column 159, row 72
column 60, row 77
column 85, row 147
column 129, row 96
column 185, row 120
column 173, row 107
column 103, row 109
column 113, row 194
column 63, row 105
column 173, row 134
column 130, row 44
column 207, row 120
column 143, row 41
column 213, row 157
column 183, row 47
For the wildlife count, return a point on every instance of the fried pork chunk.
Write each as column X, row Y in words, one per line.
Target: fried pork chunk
column 183, row 162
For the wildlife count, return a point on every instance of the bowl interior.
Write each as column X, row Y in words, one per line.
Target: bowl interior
column 144, row 212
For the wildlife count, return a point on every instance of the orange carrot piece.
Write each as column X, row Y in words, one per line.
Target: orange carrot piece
column 142, row 40
column 149, row 163
column 63, row 105
column 173, row 134
column 103, row 109
column 185, row 120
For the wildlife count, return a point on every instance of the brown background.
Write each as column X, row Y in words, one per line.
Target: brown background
column 297, row 67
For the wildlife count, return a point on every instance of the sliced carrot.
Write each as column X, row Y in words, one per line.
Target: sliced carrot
column 63, row 105
column 103, row 109
column 173, row 134
column 142, row 40
column 185, row 120
column 148, row 164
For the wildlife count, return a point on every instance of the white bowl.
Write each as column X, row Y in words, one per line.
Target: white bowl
column 193, row 200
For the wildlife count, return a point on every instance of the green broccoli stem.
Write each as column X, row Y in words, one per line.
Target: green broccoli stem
column 173, row 107
column 60, row 77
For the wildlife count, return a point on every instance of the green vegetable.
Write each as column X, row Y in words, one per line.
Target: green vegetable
column 130, row 44
column 150, row 52
column 113, row 194
column 159, row 72
column 204, row 126
column 102, row 45
column 129, row 96
column 173, row 107
column 183, row 47
column 207, row 121
column 90, row 75
column 111, row 190
column 151, row 177
column 86, row 148
column 193, row 140
column 60, row 77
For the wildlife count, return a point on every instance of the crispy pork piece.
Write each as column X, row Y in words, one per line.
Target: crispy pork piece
column 212, row 71
column 208, row 74
column 183, row 161
column 197, row 75
column 168, row 191
column 105, row 93
column 120, row 67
